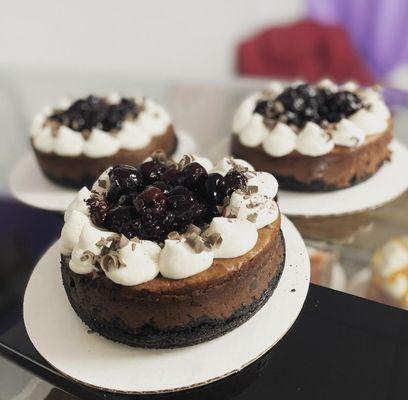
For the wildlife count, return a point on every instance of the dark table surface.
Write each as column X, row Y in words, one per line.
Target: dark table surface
column 340, row 347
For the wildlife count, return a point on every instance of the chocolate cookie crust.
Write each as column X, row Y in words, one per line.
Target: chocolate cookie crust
column 165, row 313
column 79, row 171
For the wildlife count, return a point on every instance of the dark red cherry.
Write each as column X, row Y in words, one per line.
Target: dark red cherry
column 193, row 175
column 152, row 170
column 118, row 216
column 231, row 182
column 152, row 199
column 210, row 193
column 128, row 178
column 170, row 174
column 179, row 198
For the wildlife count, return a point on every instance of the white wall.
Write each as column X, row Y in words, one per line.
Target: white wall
column 174, row 38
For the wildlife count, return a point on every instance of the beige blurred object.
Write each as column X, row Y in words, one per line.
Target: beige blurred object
column 389, row 273
column 321, row 265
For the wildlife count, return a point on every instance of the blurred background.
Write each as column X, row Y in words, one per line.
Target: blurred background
column 52, row 49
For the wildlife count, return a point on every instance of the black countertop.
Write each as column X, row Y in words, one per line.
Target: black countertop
column 340, row 347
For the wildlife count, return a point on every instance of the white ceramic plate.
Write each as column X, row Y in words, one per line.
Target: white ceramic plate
column 30, row 186
column 386, row 185
column 62, row 339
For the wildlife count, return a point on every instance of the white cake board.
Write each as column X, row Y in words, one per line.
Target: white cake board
column 386, row 185
column 30, row 186
column 62, row 339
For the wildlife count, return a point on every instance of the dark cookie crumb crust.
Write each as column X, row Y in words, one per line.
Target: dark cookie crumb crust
column 149, row 336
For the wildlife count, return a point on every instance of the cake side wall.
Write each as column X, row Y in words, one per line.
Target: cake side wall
column 176, row 319
column 342, row 167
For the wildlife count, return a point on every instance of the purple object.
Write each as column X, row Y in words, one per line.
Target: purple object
column 378, row 28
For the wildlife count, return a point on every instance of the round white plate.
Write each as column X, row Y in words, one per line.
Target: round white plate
column 386, row 185
column 62, row 339
column 31, row 187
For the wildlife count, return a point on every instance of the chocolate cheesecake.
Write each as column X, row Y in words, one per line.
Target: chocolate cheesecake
column 314, row 137
column 172, row 254
column 76, row 141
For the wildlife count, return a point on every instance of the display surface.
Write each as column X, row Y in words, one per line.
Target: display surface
column 176, row 368
column 314, row 138
column 29, row 185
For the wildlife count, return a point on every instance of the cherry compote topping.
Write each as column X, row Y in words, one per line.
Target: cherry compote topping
column 152, row 170
column 96, row 112
column 160, row 196
column 232, row 181
column 300, row 104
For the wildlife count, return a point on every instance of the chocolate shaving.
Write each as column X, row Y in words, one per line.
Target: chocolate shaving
column 251, row 205
column 102, row 242
column 123, row 241
column 198, row 246
column 87, row 255
column 270, row 123
column 236, row 167
column 86, row 134
column 174, row 235
column 191, row 238
column 102, row 183
column 213, row 240
column 193, row 229
column 160, row 156
column 279, row 107
column 225, row 201
column 252, row 189
column 284, row 119
column 110, row 260
column 185, row 160
column 54, row 126
column 252, row 217
column 233, row 212
column 195, row 242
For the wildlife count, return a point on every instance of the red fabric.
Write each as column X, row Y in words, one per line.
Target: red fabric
column 307, row 50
